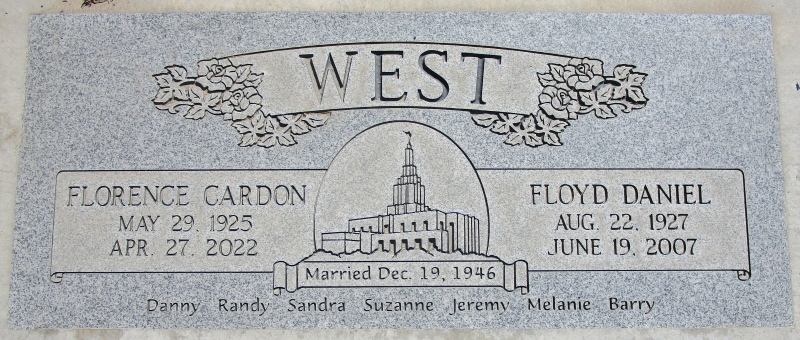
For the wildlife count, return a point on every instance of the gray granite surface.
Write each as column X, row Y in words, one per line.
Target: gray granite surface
column 712, row 104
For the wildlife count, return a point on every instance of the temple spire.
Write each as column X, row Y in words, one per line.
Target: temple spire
column 408, row 192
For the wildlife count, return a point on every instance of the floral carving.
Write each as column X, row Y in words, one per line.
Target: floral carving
column 570, row 90
column 231, row 91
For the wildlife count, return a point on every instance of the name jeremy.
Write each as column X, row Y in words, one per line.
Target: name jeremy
column 479, row 306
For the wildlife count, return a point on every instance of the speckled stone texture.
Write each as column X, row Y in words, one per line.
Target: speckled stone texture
column 712, row 104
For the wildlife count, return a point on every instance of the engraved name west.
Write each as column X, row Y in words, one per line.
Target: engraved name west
column 271, row 97
column 406, row 75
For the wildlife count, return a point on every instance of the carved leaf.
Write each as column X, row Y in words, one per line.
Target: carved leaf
column 526, row 133
column 177, row 72
column 514, row 138
column 196, row 94
column 505, row 122
column 621, row 71
column 551, row 139
column 604, row 111
column 270, row 140
column 484, row 119
column 250, row 129
column 162, row 79
column 558, row 72
column 243, row 126
column 604, row 92
column 550, row 128
column 204, row 101
column 163, row 95
column 181, row 92
column 546, row 79
column 533, row 140
column 636, row 79
column 588, row 99
column 267, row 141
column 195, row 112
column 629, row 84
column 636, row 94
column 169, row 88
column 171, row 106
column 251, row 126
column 276, row 134
column 316, row 119
column 242, row 72
column 286, row 140
column 271, row 127
column 253, row 80
column 294, row 123
column 550, row 125
column 248, row 139
column 531, row 137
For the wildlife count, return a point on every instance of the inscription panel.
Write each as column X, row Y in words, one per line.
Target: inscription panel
column 623, row 219
column 181, row 221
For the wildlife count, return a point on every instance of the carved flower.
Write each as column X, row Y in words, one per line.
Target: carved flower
column 559, row 103
column 216, row 75
column 583, row 73
column 240, row 104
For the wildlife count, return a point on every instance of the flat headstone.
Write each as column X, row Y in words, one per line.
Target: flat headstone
column 425, row 170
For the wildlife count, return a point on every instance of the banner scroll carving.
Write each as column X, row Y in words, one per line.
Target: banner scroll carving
column 272, row 97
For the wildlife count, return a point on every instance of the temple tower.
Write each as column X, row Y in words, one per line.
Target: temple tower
column 408, row 193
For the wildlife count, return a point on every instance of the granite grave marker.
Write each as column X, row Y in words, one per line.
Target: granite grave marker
column 413, row 170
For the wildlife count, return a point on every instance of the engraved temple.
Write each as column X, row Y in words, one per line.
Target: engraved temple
column 409, row 224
